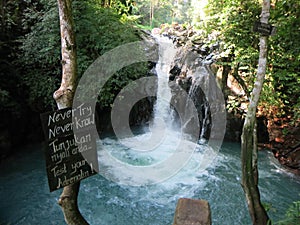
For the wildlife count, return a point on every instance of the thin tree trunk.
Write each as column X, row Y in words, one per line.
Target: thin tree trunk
column 64, row 97
column 151, row 13
column 249, row 140
column 225, row 72
column 241, row 82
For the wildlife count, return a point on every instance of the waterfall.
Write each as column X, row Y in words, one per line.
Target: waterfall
column 176, row 105
column 162, row 151
column 162, row 110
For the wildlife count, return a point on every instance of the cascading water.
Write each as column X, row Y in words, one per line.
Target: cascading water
column 162, row 109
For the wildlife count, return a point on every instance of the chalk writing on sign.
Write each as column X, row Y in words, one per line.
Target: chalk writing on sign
column 64, row 161
column 59, row 123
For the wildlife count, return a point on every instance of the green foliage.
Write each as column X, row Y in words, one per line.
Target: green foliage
column 39, row 58
column 270, row 99
column 9, row 16
column 285, row 55
column 292, row 215
column 267, row 206
column 234, row 105
column 103, row 25
column 11, row 96
column 164, row 11
column 232, row 23
column 97, row 31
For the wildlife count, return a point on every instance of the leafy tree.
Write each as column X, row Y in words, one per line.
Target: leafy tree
column 232, row 22
column 13, row 91
column 153, row 13
column 284, row 60
column 10, row 19
column 97, row 30
column 40, row 54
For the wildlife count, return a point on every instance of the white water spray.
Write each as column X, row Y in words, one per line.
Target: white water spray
column 162, row 110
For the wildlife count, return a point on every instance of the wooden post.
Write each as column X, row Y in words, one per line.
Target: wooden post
column 192, row 212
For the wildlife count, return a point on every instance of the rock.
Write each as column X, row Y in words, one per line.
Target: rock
column 293, row 159
column 196, row 38
column 185, row 83
column 204, row 50
column 285, row 144
column 263, row 135
column 234, row 127
column 192, row 212
column 196, row 50
column 175, row 71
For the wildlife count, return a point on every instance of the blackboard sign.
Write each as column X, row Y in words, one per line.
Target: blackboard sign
column 264, row 28
column 64, row 161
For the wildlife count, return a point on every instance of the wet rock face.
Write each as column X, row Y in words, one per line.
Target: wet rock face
column 285, row 144
column 192, row 73
column 234, row 127
column 190, row 83
column 191, row 55
column 140, row 114
column 174, row 73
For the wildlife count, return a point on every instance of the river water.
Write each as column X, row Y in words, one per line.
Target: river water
column 25, row 198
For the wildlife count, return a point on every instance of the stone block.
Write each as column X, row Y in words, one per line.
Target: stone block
column 192, row 212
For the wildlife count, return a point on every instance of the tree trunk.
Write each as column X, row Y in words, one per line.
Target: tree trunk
column 64, row 97
column 225, row 72
column 240, row 80
column 249, row 138
column 151, row 12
